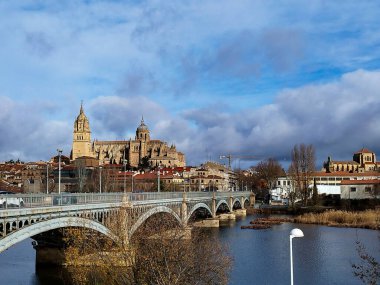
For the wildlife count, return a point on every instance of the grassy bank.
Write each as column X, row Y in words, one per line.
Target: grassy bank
column 369, row 219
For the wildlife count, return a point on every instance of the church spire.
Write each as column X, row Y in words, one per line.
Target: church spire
column 81, row 107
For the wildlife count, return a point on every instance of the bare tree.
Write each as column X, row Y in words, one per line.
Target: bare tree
column 264, row 175
column 368, row 271
column 160, row 252
column 301, row 171
column 81, row 174
column 106, row 177
column 269, row 170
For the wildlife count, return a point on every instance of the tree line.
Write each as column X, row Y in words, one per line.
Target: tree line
column 263, row 177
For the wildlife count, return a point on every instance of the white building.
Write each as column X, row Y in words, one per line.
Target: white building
column 360, row 189
column 327, row 183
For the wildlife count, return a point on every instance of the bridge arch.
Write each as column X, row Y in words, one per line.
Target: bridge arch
column 44, row 226
column 151, row 212
column 237, row 200
column 196, row 207
column 222, row 202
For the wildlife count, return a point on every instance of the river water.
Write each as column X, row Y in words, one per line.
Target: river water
column 323, row 256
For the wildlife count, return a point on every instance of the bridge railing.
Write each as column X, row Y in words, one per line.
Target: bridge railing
column 55, row 199
column 8, row 201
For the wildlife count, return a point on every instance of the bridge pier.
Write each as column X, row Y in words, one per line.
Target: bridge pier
column 252, row 200
column 49, row 248
column 49, row 256
column 240, row 212
column 184, row 210
column 213, row 206
column 207, row 223
column 231, row 203
column 227, row 216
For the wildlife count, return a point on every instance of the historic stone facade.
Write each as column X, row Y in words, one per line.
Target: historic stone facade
column 135, row 152
column 363, row 160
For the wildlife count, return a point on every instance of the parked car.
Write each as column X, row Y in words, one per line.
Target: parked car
column 7, row 199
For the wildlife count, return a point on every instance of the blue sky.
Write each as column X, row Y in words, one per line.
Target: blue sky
column 213, row 77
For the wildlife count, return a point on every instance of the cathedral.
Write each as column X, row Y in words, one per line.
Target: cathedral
column 136, row 152
column 363, row 160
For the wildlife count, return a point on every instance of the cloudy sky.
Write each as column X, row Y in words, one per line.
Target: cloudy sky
column 213, row 77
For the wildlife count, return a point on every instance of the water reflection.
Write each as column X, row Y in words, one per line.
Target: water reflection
column 323, row 256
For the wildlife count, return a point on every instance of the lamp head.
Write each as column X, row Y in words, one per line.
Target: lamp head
column 296, row 233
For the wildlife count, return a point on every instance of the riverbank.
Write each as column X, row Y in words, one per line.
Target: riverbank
column 369, row 219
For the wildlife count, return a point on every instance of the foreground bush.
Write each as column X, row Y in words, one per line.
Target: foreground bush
column 160, row 253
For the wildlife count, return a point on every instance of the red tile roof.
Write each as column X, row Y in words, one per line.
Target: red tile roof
column 345, row 173
column 345, row 162
column 360, row 182
column 364, row 150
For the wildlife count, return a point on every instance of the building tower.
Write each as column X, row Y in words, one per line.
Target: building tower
column 81, row 136
column 142, row 138
column 142, row 132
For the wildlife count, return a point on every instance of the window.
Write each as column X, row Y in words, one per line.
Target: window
column 368, row 189
column 353, row 189
column 288, row 182
column 278, row 183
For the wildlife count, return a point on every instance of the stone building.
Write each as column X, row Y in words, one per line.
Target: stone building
column 363, row 160
column 140, row 151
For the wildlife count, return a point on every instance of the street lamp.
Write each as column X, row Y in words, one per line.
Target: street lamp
column 183, row 180
column 47, row 177
column 133, row 174
column 158, row 179
column 294, row 233
column 59, row 170
column 100, row 179
column 125, row 173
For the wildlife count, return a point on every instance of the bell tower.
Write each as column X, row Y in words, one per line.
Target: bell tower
column 81, row 136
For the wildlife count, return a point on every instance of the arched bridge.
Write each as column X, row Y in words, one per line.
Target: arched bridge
column 26, row 215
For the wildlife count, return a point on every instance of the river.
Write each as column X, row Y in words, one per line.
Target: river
column 323, row 256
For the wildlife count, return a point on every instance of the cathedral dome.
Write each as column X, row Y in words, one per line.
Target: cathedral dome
column 142, row 126
column 142, row 132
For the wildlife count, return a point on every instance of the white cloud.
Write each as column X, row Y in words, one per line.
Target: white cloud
column 338, row 117
column 127, row 59
column 28, row 135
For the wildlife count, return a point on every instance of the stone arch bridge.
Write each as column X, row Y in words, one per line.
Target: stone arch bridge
column 27, row 215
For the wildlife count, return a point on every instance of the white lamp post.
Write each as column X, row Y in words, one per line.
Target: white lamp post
column 47, row 177
column 59, row 170
column 294, row 233
column 133, row 174
column 158, row 178
column 125, row 173
column 100, row 179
